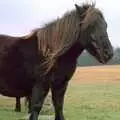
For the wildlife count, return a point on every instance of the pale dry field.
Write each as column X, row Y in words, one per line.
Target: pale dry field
column 97, row 74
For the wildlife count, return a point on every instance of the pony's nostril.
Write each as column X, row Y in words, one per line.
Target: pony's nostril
column 108, row 54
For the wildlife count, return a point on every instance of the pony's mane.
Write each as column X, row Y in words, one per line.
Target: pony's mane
column 92, row 14
column 58, row 36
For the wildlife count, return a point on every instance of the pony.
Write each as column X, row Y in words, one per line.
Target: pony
column 46, row 58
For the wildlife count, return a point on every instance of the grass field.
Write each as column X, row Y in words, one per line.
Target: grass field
column 93, row 94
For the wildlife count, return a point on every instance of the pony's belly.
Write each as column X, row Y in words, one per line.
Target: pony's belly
column 13, row 92
column 14, row 87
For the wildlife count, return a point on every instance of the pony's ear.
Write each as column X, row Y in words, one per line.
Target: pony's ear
column 79, row 9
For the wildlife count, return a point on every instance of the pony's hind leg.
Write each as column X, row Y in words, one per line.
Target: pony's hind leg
column 58, row 92
column 39, row 93
column 18, row 105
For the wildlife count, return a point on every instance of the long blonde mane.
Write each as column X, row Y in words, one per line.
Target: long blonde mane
column 57, row 37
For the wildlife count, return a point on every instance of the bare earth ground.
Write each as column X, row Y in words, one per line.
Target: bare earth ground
column 97, row 74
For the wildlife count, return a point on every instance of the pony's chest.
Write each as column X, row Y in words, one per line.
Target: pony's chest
column 64, row 70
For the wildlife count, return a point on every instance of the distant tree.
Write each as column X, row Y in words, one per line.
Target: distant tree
column 116, row 57
column 86, row 59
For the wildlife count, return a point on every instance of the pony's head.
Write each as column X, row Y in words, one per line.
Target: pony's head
column 93, row 35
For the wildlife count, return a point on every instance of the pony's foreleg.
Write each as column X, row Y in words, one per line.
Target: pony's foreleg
column 39, row 93
column 58, row 92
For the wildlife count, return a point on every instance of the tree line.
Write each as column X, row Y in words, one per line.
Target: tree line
column 86, row 59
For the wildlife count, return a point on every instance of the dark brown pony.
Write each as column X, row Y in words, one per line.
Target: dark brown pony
column 47, row 58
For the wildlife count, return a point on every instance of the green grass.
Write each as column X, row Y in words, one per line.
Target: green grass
column 83, row 102
column 8, row 114
column 93, row 102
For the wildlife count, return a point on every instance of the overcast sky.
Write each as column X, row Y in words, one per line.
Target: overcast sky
column 18, row 17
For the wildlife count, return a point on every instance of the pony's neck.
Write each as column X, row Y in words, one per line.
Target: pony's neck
column 60, row 34
column 73, row 53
